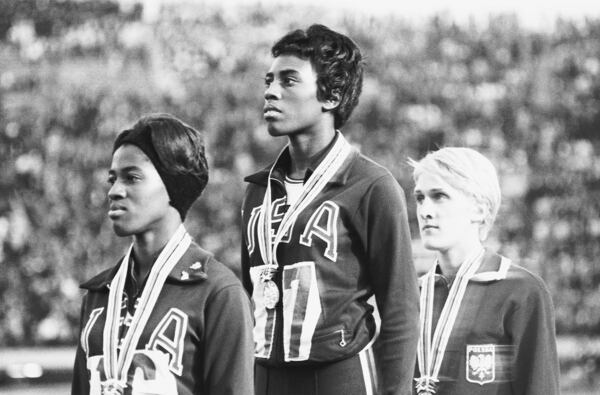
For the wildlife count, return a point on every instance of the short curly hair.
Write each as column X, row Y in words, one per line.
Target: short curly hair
column 337, row 61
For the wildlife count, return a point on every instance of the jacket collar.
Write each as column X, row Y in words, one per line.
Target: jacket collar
column 283, row 163
column 190, row 269
column 493, row 268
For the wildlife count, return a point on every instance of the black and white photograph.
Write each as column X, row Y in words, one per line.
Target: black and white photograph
column 299, row 197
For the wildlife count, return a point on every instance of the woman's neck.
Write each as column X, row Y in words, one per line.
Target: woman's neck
column 304, row 147
column 148, row 245
column 450, row 260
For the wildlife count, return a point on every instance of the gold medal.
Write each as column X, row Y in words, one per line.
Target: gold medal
column 270, row 294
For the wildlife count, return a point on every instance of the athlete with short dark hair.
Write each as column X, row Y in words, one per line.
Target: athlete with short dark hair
column 325, row 229
column 168, row 318
column 487, row 325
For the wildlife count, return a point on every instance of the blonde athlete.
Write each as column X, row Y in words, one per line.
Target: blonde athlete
column 487, row 324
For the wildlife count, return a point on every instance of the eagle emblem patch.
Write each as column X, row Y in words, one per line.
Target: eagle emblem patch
column 481, row 363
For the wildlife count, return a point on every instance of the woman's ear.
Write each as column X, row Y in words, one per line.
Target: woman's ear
column 479, row 216
column 479, row 213
column 332, row 102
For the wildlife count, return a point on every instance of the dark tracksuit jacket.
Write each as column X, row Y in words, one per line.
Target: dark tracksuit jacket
column 503, row 341
column 198, row 339
column 354, row 237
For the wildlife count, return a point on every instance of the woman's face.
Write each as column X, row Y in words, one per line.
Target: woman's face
column 291, row 103
column 448, row 218
column 138, row 198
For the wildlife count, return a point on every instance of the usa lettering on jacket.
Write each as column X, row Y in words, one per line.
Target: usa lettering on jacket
column 161, row 356
column 322, row 225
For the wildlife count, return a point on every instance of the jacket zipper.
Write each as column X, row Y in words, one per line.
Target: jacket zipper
column 342, row 342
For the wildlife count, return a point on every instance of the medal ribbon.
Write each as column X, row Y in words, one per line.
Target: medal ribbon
column 313, row 186
column 430, row 351
column 116, row 364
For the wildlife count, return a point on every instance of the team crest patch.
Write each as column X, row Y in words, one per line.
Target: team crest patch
column 481, row 363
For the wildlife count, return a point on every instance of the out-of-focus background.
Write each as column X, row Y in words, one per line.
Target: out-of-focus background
column 520, row 85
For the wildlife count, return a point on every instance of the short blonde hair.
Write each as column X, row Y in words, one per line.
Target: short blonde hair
column 467, row 170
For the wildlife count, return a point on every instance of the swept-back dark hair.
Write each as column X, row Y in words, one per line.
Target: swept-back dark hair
column 179, row 146
column 337, row 61
column 177, row 152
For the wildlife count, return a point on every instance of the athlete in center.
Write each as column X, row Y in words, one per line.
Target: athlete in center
column 324, row 230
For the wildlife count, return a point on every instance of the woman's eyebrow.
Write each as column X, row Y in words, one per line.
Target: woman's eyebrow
column 124, row 169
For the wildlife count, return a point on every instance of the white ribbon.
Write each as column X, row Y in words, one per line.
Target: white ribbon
column 313, row 186
column 116, row 364
column 430, row 351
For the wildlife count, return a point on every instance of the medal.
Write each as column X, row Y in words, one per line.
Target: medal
column 112, row 387
column 270, row 289
column 267, row 273
column 426, row 385
column 266, row 293
column 270, row 294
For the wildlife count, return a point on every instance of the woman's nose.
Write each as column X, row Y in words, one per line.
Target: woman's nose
column 425, row 209
column 116, row 191
column 272, row 91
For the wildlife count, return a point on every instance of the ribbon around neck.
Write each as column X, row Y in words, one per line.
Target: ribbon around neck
column 313, row 186
column 431, row 350
column 117, row 362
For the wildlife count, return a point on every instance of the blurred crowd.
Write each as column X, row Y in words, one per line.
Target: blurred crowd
column 75, row 73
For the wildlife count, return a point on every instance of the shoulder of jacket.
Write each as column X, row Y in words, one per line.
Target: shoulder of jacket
column 200, row 265
column 260, row 177
column 101, row 280
column 362, row 163
column 520, row 274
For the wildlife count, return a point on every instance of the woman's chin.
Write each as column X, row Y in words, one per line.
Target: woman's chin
column 431, row 245
column 121, row 230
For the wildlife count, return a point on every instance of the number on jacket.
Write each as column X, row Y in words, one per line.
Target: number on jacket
column 301, row 312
